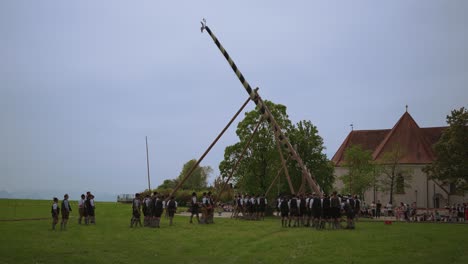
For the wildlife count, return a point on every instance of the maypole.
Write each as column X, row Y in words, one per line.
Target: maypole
column 284, row 141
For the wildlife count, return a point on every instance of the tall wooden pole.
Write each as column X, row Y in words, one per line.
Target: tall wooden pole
column 147, row 165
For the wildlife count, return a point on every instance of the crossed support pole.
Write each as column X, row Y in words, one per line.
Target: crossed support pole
column 189, row 173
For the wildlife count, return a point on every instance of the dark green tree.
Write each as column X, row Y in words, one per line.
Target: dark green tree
column 451, row 164
column 198, row 180
column 360, row 176
column 309, row 145
column 262, row 161
column 168, row 184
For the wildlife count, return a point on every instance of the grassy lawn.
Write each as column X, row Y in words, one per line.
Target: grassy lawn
column 227, row 241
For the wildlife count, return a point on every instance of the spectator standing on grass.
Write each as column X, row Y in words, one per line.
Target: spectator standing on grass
column 357, row 207
column 81, row 208
column 466, row 211
column 373, row 208
column 55, row 213
column 171, row 208
column 460, row 212
column 66, row 209
column 389, row 209
column 378, row 208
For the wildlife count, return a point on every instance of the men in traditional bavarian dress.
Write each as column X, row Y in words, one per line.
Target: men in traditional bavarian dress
column 349, row 210
column 302, row 209
column 153, row 209
column 158, row 208
column 194, row 208
column 253, row 207
column 55, row 212
column 204, row 209
column 240, row 206
column 326, row 211
column 335, row 207
column 66, row 209
column 81, row 208
column 171, row 207
column 308, row 209
column 210, row 209
column 284, row 209
column 146, row 210
column 136, row 214
column 262, row 203
column 89, row 206
column 315, row 206
column 294, row 204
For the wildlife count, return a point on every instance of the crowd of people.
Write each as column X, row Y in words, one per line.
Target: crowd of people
column 153, row 207
column 318, row 211
column 310, row 210
column 86, row 209
column 251, row 207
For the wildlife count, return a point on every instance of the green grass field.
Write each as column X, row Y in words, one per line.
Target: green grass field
column 227, row 241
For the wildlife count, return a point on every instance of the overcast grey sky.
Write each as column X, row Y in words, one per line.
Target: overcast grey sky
column 83, row 82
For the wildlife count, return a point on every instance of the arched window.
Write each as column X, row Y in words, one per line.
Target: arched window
column 400, row 184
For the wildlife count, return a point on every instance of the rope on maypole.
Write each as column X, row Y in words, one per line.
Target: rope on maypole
column 263, row 110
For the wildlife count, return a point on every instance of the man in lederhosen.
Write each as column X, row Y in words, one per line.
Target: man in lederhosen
column 326, row 211
column 294, row 204
column 284, row 209
column 152, row 209
column 335, row 208
column 55, row 212
column 81, row 208
column 136, row 214
column 302, row 210
column 66, row 209
column 158, row 210
column 316, row 208
column 146, row 210
column 262, row 203
column 194, row 207
column 171, row 207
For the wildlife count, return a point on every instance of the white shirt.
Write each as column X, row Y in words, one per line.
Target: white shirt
column 55, row 206
column 66, row 205
column 81, row 203
column 194, row 200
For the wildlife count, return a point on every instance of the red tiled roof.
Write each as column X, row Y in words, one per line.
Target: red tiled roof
column 417, row 142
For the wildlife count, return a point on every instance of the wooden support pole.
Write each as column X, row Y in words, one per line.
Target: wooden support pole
column 277, row 176
column 208, row 150
column 239, row 159
column 291, row 188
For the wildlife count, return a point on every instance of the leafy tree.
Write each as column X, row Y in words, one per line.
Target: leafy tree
column 262, row 161
column 395, row 177
column 168, row 184
column 309, row 145
column 451, row 164
column 360, row 176
column 198, row 180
